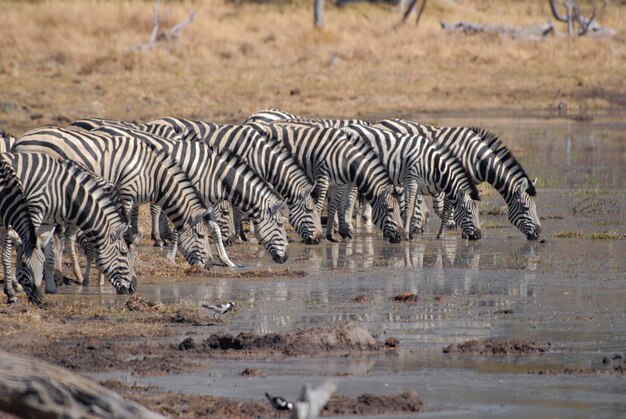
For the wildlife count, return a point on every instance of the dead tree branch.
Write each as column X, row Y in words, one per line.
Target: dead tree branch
column 574, row 16
column 170, row 35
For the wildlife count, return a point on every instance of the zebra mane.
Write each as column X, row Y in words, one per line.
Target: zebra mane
column 21, row 209
column 501, row 150
column 457, row 167
column 109, row 193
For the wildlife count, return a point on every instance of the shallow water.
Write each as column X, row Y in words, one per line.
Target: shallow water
column 568, row 292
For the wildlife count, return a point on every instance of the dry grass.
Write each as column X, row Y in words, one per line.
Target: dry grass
column 63, row 60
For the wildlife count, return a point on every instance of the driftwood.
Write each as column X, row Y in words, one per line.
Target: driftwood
column 34, row 389
column 573, row 16
column 527, row 32
column 169, row 35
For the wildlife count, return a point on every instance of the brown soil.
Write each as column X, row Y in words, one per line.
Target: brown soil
column 349, row 338
column 177, row 405
column 370, row 404
column 490, row 347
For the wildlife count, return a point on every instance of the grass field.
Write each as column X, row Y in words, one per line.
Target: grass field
column 63, row 60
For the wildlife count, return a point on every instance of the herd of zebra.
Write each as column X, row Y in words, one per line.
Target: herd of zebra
column 83, row 184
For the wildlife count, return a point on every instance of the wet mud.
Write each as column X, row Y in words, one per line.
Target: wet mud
column 177, row 405
column 490, row 347
column 347, row 339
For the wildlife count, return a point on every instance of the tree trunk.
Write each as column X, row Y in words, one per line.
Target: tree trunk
column 318, row 13
column 30, row 388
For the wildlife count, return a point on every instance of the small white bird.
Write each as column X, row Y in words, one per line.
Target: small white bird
column 313, row 400
column 279, row 403
column 220, row 308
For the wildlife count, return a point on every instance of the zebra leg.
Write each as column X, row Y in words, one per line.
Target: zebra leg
column 70, row 235
column 420, row 216
column 447, row 214
column 214, row 229
column 322, row 184
column 438, row 207
column 9, row 276
column 334, row 196
column 407, row 205
column 134, row 221
column 238, row 220
column 49, row 267
column 172, row 247
column 158, row 220
column 367, row 213
column 349, row 197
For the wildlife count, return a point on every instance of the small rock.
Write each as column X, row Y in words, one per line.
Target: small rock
column 187, row 344
column 392, row 342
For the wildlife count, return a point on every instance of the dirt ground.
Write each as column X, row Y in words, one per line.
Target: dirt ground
column 64, row 60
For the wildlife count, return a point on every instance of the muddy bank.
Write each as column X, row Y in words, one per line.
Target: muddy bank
column 179, row 405
column 491, row 347
column 348, row 338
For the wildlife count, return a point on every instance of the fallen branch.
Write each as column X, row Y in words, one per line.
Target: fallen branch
column 528, row 32
column 169, row 35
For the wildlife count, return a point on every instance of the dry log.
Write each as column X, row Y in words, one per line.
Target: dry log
column 527, row 32
column 30, row 388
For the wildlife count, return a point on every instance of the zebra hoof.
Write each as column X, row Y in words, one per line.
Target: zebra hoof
column 158, row 244
column 11, row 299
column 332, row 239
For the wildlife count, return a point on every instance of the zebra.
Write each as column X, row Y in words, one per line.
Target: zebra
column 487, row 159
column 403, row 158
column 273, row 115
column 279, row 169
column 328, row 156
column 140, row 175
column 58, row 192
column 420, row 165
column 188, row 243
column 223, row 176
column 286, row 176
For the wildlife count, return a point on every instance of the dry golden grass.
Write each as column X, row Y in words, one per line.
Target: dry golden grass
column 63, row 60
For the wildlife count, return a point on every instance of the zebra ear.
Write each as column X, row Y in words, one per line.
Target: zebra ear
column 45, row 238
column 197, row 216
column 349, row 132
column 117, row 233
column 137, row 239
column 15, row 238
column 523, row 185
column 277, row 207
column 308, row 191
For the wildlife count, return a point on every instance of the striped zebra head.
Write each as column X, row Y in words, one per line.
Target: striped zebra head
column 522, row 210
column 466, row 216
column 304, row 218
column 29, row 265
column 224, row 217
column 193, row 245
column 269, row 229
column 386, row 214
column 115, row 260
